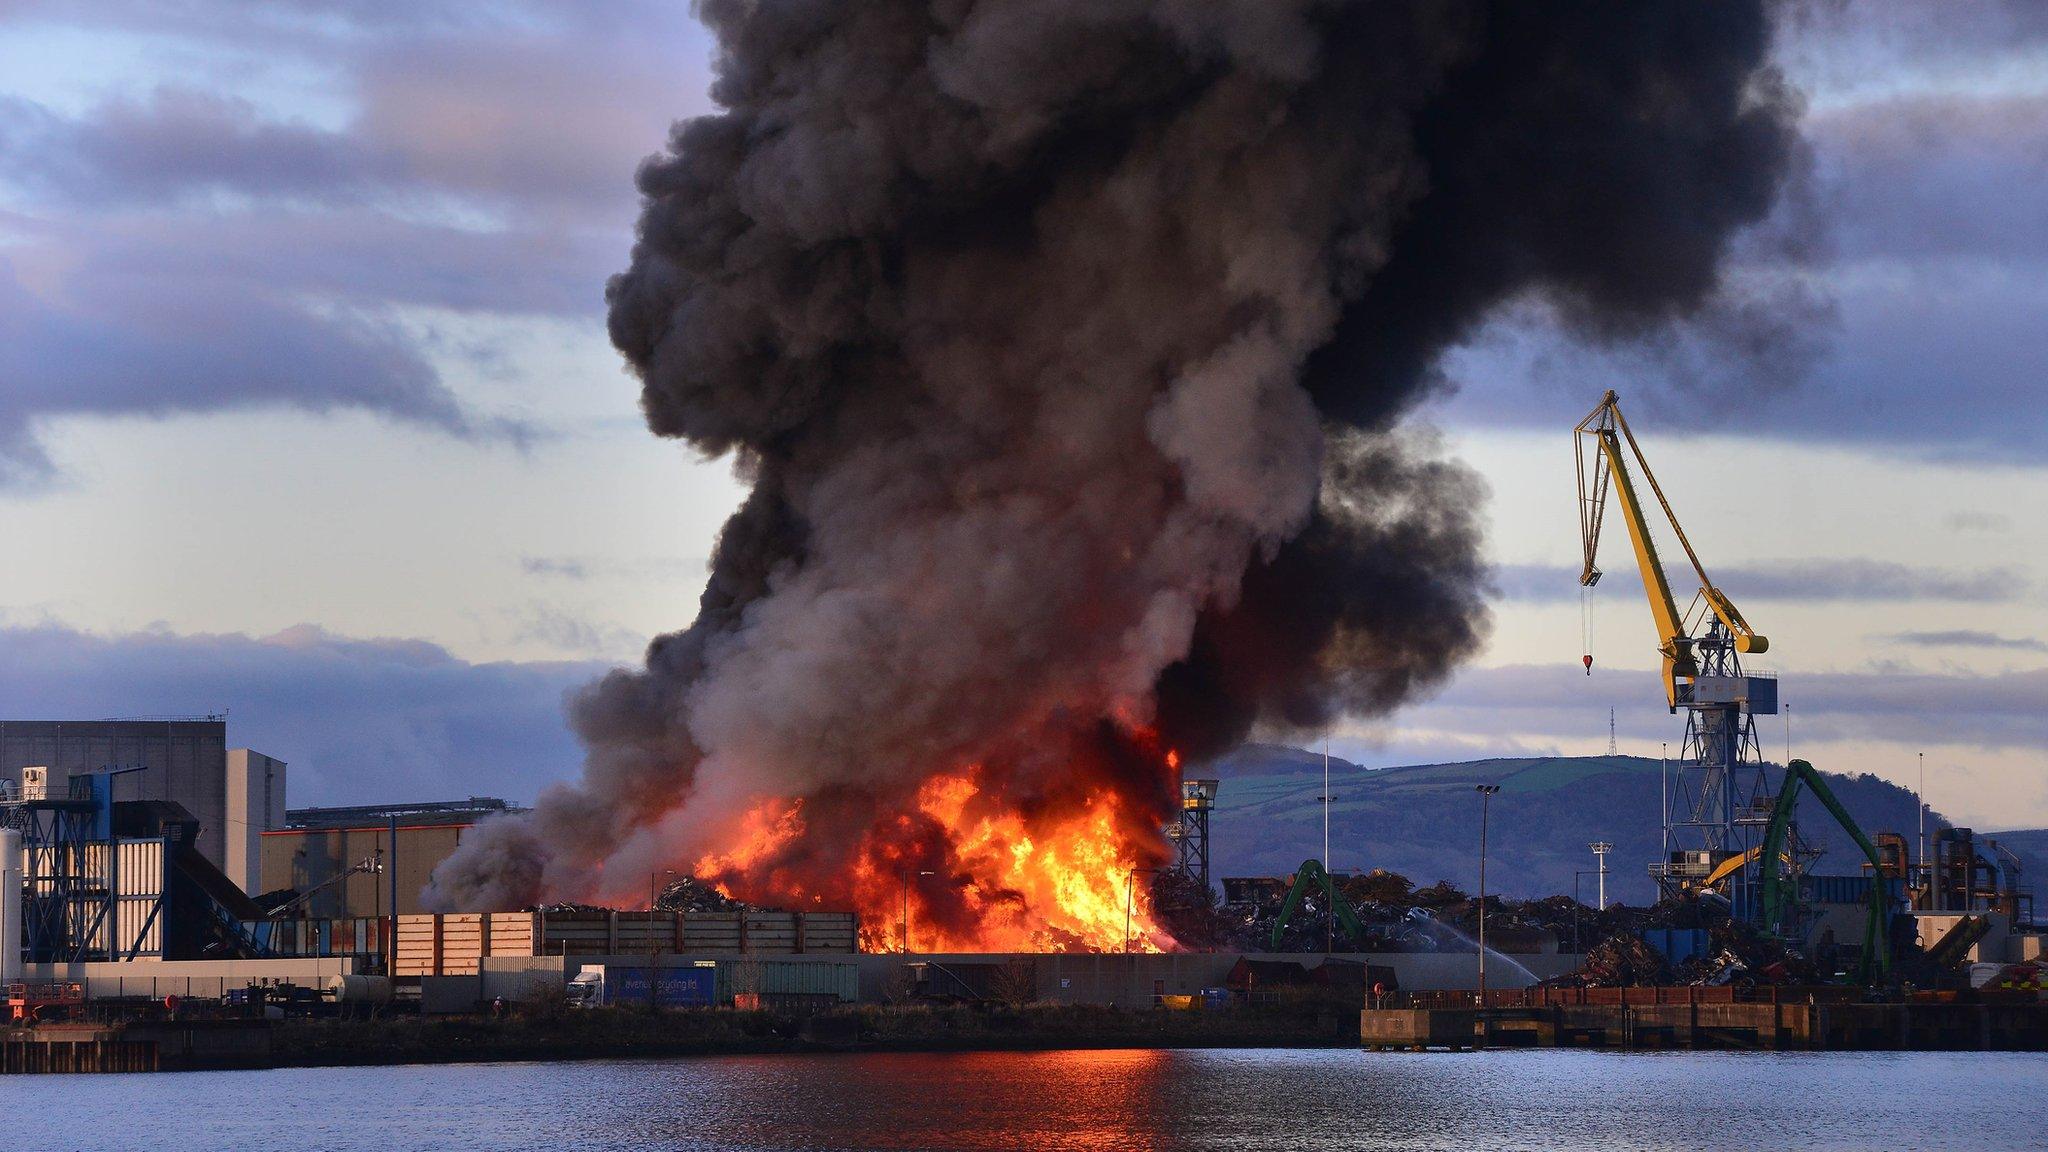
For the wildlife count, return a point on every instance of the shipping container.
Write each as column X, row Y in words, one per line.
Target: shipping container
column 1677, row 944
column 778, row 978
column 786, row 1002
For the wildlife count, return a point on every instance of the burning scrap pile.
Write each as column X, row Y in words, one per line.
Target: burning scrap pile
column 689, row 894
column 1064, row 349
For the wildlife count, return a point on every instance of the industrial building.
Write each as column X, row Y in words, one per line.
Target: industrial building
column 254, row 805
column 233, row 793
column 366, row 861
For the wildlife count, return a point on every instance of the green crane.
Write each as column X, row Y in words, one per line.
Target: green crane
column 1311, row 874
column 1777, row 887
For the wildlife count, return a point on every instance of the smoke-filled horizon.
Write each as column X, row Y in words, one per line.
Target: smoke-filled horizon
column 1066, row 347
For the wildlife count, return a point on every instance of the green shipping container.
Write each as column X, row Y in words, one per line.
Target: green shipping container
column 773, row 977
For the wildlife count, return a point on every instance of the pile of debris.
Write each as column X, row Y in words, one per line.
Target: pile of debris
column 568, row 907
column 1391, row 914
column 1624, row 960
column 689, row 894
column 1700, row 945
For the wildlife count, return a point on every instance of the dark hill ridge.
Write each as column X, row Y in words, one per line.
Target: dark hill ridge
column 1423, row 820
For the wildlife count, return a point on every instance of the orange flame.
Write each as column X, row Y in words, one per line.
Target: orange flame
column 1046, row 885
column 970, row 868
column 764, row 831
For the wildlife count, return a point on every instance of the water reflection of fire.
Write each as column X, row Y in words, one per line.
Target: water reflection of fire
column 968, row 868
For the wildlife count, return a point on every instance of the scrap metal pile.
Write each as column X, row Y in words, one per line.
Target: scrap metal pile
column 689, row 894
column 1392, row 916
column 685, row 894
column 1710, row 947
column 1722, row 951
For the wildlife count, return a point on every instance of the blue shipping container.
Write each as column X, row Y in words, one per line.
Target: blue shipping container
column 662, row 987
column 1677, row 944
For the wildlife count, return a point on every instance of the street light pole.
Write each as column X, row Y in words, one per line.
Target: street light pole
column 1330, row 919
column 1577, row 876
column 1920, row 796
column 1664, row 798
column 1486, row 792
column 1600, row 850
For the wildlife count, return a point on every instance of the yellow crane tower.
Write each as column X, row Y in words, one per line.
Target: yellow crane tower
column 1718, row 799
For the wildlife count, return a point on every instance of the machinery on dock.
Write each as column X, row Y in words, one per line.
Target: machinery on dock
column 107, row 880
column 1719, row 799
column 1780, row 892
column 1313, row 877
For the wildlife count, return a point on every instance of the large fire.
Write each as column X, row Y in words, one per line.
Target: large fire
column 968, row 869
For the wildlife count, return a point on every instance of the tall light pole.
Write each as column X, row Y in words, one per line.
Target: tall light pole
column 1664, row 771
column 1600, row 850
column 1325, row 799
column 906, row 909
column 1330, row 920
column 1486, row 792
column 1920, row 802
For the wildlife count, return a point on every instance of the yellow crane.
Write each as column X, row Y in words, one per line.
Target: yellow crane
column 1717, row 798
column 1603, row 443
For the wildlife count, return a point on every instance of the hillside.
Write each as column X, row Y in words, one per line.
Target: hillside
column 1423, row 820
column 2031, row 845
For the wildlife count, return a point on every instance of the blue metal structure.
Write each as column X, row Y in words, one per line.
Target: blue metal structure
column 71, row 876
column 91, row 894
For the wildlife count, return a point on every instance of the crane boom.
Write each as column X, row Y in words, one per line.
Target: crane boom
column 1607, row 470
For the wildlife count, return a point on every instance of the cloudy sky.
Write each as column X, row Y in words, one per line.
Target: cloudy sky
column 307, row 411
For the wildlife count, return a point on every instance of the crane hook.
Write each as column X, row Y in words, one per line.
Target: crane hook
column 1586, row 623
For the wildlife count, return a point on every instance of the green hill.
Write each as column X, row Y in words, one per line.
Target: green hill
column 1423, row 820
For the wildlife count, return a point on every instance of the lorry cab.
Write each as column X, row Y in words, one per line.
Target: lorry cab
column 586, row 990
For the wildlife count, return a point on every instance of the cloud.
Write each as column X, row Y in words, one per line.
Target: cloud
column 142, row 347
column 564, row 568
column 1842, row 579
column 359, row 721
column 193, row 242
column 1977, row 522
column 477, row 155
column 1967, row 638
column 1907, row 320
column 615, row 568
column 1937, row 175
column 180, row 143
column 559, row 632
column 1909, row 707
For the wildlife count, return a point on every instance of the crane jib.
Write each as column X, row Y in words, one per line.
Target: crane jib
column 1605, row 469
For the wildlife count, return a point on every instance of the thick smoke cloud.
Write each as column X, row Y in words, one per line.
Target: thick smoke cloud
column 1066, row 345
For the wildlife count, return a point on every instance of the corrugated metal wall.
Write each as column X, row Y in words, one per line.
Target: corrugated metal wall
column 138, row 886
column 302, row 858
column 132, row 870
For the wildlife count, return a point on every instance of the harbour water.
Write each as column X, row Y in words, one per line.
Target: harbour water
column 1257, row 1100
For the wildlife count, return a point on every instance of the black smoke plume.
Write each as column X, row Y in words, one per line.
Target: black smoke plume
column 1066, row 346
